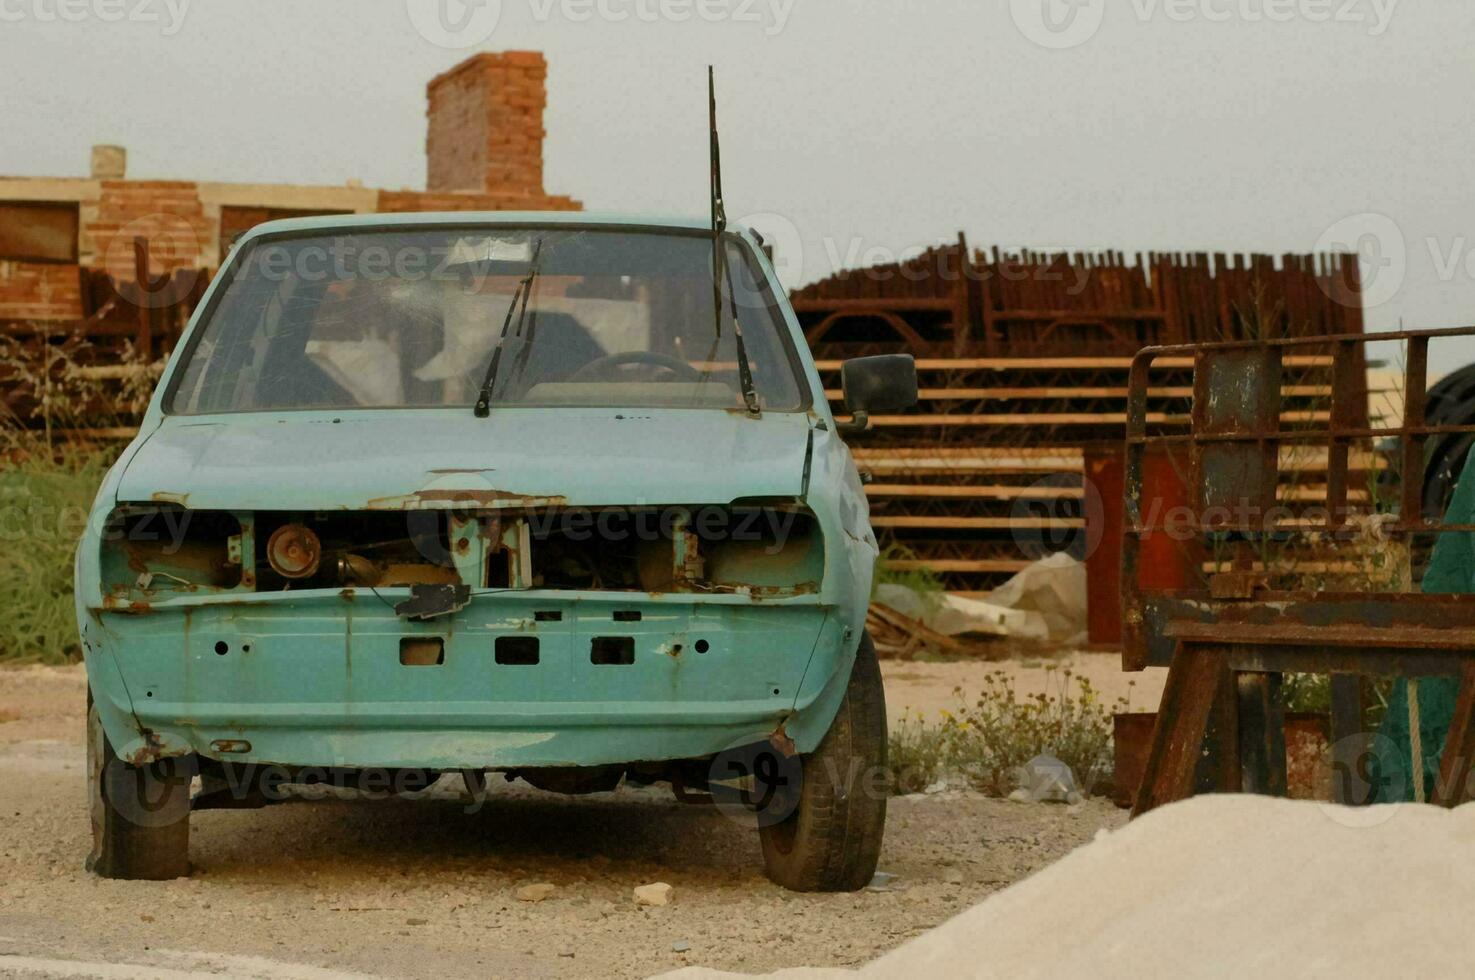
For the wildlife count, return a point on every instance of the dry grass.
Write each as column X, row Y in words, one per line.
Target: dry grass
column 48, row 482
column 985, row 742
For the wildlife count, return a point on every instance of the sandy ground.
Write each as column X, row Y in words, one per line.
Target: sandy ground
column 332, row 889
column 928, row 688
column 1321, row 891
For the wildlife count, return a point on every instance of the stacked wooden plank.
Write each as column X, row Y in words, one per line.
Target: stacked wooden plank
column 1023, row 361
column 950, row 302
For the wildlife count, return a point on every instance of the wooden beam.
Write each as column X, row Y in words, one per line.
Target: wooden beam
column 1043, row 394
column 966, row 466
column 929, row 492
column 1193, row 684
column 876, row 307
column 1016, row 419
column 1455, row 767
column 1262, row 743
column 969, row 453
column 956, row 565
column 1064, row 363
column 1349, row 740
column 981, row 523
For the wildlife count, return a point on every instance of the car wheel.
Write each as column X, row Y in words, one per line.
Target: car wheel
column 831, row 839
column 140, row 814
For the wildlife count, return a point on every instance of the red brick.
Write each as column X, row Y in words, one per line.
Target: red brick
column 486, row 125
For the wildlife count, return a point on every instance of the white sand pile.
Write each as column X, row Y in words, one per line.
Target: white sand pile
column 1224, row 886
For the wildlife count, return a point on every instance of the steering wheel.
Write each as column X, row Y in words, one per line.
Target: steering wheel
column 603, row 368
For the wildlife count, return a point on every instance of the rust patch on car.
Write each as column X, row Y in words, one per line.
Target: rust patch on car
column 112, row 602
column 152, row 750
column 760, row 592
column 471, row 499
column 782, row 743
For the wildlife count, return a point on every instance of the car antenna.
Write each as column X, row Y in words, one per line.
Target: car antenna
column 720, row 272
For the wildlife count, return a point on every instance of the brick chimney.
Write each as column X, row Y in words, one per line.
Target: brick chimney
column 486, row 125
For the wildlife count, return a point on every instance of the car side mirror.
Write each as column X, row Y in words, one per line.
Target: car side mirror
column 887, row 383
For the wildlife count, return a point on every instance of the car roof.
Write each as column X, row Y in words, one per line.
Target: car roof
column 403, row 219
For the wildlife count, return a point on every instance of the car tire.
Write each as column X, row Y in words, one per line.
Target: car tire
column 831, row 841
column 139, row 814
column 1450, row 402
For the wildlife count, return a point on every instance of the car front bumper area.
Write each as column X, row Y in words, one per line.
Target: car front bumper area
column 531, row 679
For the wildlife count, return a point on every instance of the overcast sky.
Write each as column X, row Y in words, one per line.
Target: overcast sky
column 869, row 127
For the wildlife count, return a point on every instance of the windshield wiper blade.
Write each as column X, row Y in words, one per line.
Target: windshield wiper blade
column 721, row 275
column 524, row 290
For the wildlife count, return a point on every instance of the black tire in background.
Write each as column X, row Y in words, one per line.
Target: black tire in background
column 140, row 814
column 1450, row 402
column 831, row 841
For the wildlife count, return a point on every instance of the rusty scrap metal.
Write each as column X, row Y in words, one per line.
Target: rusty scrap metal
column 1032, row 349
column 1228, row 639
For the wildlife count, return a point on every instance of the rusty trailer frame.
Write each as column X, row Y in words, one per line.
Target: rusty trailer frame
column 1229, row 638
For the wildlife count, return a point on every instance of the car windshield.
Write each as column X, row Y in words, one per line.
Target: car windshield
column 416, row 319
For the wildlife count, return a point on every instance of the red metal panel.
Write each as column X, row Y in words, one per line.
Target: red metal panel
column 1106, row 471
column 1170, row 560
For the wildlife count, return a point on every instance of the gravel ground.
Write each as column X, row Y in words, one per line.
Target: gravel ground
column 330, row 889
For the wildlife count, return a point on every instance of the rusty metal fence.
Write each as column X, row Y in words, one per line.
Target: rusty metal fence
column 1268, row 584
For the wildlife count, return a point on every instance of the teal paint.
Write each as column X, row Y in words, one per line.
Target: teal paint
column 312, row 677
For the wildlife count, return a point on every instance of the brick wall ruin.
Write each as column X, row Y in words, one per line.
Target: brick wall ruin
column 37, row 291
column 485, row 146
column 166, row 212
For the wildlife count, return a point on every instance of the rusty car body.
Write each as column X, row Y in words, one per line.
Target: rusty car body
column 645, row 545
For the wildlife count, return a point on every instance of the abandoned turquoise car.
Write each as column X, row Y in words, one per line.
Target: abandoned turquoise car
column 430, row 495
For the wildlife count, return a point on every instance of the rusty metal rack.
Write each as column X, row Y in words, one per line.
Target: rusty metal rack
column 1231, row 622
column 1018, row 350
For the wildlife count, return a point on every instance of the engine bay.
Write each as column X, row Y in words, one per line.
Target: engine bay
column 159, row 551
